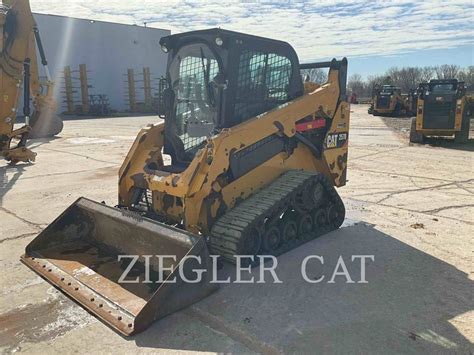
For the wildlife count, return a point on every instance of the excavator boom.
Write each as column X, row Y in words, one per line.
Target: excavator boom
column 19, row 37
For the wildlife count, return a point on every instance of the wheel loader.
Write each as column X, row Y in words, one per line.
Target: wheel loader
column 443, row 109
column 19, row 39
column 389, row 101
column 245, row 163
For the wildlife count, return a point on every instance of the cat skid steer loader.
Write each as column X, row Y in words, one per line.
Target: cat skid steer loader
column 19, row 37
column 255, row 157
column 443, row 109
column 389, row 101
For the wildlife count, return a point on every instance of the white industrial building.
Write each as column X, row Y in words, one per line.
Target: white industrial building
column 107, row 49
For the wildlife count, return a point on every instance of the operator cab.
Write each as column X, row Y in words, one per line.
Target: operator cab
column 217, row 79
column 449, row 88
column 388, row 90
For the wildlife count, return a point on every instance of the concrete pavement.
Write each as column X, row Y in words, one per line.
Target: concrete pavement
column 408, row 205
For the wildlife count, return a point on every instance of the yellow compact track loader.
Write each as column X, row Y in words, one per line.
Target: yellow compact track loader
column 253, row 158
column 389, row 101
column 19, row 37
column 443, row 109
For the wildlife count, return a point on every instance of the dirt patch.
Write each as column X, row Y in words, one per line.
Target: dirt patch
column 33, row 323
column 106, row 172
column 418, row 226
column 400, row 125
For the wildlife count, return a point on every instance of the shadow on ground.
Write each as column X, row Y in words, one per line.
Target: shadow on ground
column 401, row 126
column 407, row 306
column 6, row 181
column 450, row 143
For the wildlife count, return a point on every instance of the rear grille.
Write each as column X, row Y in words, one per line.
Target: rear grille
column 383, row 102
column 438, row 115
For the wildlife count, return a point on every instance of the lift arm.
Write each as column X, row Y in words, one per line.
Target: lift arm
column 18, row 66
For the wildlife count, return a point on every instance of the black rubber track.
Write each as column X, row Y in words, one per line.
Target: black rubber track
column 264, row 210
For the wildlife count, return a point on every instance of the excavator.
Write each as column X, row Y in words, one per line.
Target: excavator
column 245, row 163
column 19, row 37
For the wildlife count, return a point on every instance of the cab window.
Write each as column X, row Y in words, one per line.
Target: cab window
column 262, row 83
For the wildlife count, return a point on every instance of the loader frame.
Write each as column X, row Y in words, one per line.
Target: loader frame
column 276, row 166
column 217, row 179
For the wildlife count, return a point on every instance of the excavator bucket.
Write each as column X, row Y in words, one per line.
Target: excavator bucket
column 87, row 249
column 46, row 124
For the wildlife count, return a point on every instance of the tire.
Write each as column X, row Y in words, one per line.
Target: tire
column 462, row 137
column 415, row 137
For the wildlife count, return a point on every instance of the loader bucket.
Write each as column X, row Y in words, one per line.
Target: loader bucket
column 79, row 254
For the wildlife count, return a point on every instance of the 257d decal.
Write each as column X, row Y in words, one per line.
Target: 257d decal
column 335, row 140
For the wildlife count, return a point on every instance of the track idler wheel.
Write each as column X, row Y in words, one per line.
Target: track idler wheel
column 335, row 216
column 320, row 218
column 289, row 230
column 305, row 226
column 271, row 239
column 317, row 193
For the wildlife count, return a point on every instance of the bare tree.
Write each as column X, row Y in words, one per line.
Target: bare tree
column 393, row 77
column 408, row 78
column 467, row 75
column 316, row 75
column 356, row 85
column 375, row 81
column 447, row 71
column 427, row 73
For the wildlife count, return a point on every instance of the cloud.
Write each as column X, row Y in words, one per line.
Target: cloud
column 316, row 29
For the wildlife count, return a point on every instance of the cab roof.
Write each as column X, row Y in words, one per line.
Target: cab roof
column 226, row 35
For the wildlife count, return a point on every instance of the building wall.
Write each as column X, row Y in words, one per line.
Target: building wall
column 107, row 49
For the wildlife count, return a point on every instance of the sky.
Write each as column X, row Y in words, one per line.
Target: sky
column 374, row 35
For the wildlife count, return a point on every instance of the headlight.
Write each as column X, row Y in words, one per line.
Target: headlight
column 219, row 41
column 164, row 48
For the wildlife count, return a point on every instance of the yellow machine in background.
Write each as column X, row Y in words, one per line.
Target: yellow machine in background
column 443, row 109
column 389, row 101
column 19, row 37
column 255, row 155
